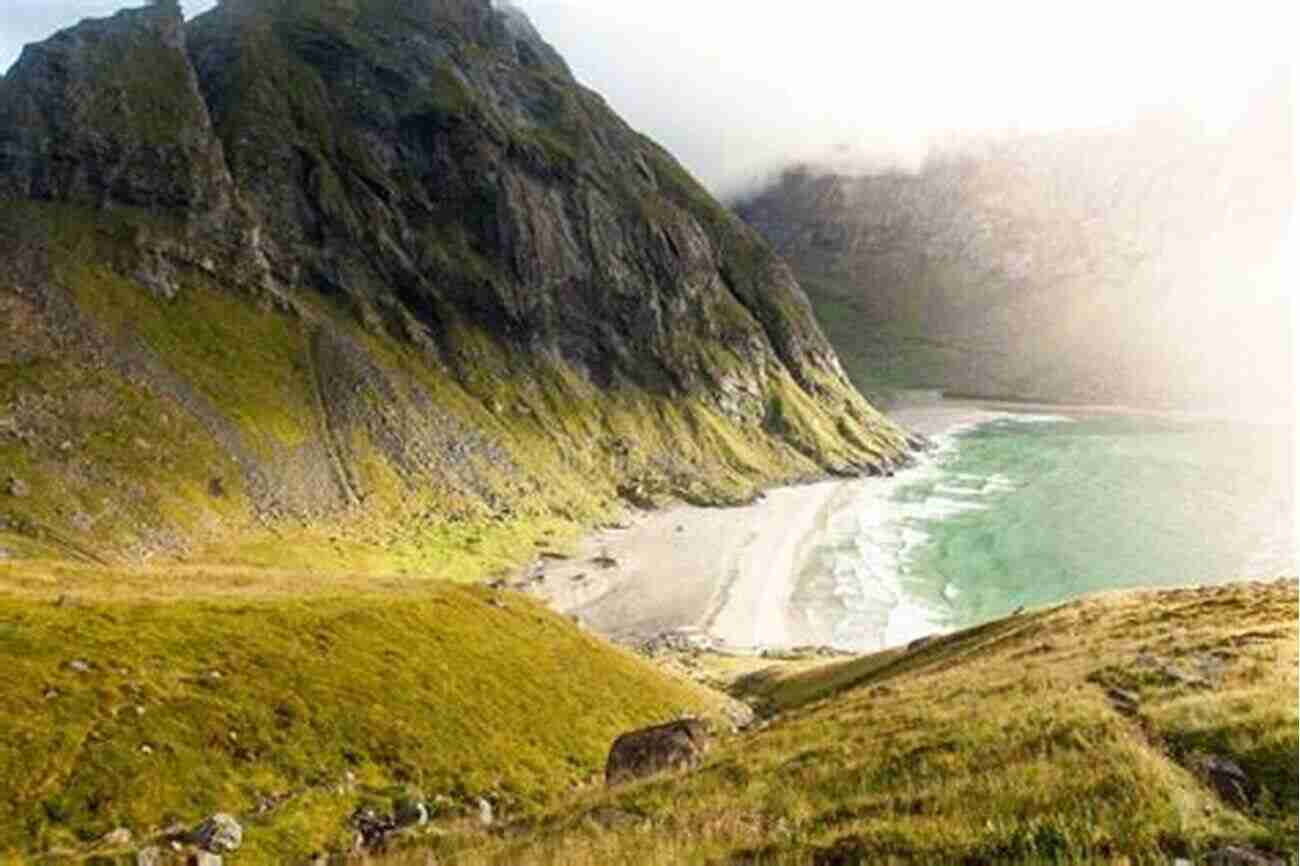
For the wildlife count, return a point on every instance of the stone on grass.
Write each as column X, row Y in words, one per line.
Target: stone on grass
column 220, row 834
column 17, row 488
column 674, row 746
column 1242, row 855
column 1227, row 779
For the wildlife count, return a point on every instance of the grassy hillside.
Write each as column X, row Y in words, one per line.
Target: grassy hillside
column 211, row 428
column 995, row 745
column 291, row 712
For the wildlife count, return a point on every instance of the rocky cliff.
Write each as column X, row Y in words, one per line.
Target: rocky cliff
column 373, row 263
column 1134, row 265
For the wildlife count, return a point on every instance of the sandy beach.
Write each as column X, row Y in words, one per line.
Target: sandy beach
column 831, row 564
column 725, row 575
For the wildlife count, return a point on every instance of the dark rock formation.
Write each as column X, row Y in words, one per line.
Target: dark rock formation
column 1242, row 855
column 1227, row 778
column 473, row 249
column 675, row 746
column 109, row 112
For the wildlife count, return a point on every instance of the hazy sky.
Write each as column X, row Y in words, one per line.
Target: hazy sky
column 736, row 88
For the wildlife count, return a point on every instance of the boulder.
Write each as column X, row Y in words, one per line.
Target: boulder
column 220, row 834
column 373, row 829
column 1242, row 855
column 673, row 746
column 1227, row 779
column 17, row 487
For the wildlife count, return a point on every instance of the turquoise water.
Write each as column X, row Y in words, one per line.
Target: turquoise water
column 1031, row 509
column 1059, row 508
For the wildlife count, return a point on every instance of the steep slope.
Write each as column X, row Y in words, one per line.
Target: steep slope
column 365, row 270
column 1079, row 734
column 1134, row 265
column 307, row 308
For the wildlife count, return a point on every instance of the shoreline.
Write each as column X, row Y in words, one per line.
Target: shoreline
column 722, row 577
column 782, row 572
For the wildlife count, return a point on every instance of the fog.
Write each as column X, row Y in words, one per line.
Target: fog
column 737, row 89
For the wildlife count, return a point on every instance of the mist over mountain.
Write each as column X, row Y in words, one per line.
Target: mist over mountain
column 1135, row 265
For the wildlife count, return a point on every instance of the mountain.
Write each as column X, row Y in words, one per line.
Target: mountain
column 1137, row 266
column 308, row 311
column 373, row 270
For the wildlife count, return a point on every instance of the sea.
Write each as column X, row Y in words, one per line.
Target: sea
column 1027, row 507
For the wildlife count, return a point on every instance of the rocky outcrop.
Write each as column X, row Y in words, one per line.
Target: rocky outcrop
column 471, row 248
column 1226, row 777
column 675, row 746
column 1242, row 855
column 109, row 112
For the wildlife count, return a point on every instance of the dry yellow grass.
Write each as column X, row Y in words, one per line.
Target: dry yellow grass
column 994, row 745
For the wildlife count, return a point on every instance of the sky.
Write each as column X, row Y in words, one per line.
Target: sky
column 738, row 88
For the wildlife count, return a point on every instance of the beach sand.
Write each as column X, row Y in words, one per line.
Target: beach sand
column 723, row 575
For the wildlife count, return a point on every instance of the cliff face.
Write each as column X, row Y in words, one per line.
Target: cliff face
column 1133, row 265
column 378, row 254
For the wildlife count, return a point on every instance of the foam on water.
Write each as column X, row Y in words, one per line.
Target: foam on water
column 1014, row 508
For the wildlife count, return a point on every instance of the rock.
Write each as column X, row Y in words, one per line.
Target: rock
column 1227, row 779
column 17, row 488
column 220, row 834
column 1242, row 855
column 149, row 856
column 79, row 666
column 674, row 746
column 485, row 814
column 1125, row 703
column 204, row 858
column 373, row 829
column 117, row 838
column 740, row 714
column 605, row 561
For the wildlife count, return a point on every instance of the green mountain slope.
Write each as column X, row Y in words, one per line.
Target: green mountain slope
column 307, row 311
column 373, row 272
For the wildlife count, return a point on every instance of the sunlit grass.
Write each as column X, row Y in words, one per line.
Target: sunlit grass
column 993, row 745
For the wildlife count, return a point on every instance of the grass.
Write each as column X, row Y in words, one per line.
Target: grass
column 542, row 451
column 995, row 745
column 196, row 705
